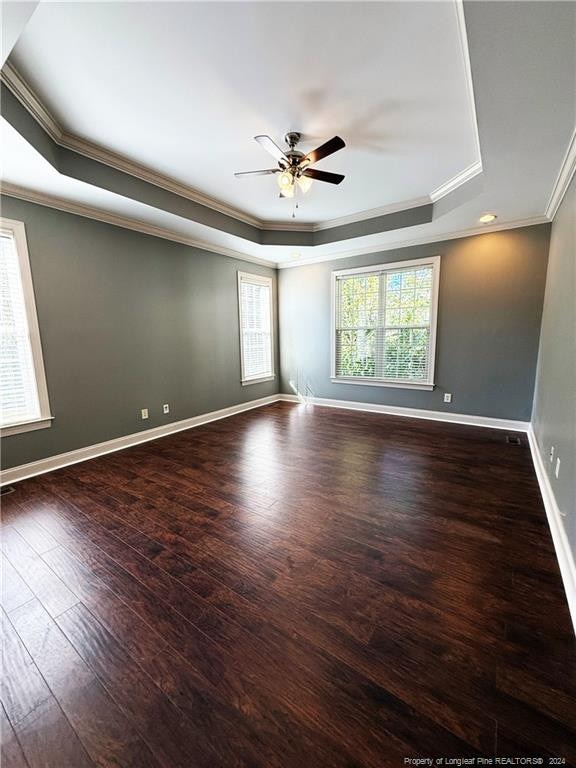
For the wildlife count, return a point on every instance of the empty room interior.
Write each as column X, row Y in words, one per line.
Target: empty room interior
column 288, row 384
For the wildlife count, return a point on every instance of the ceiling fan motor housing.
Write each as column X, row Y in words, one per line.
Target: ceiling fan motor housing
column 295, row 164
column 294, row 156
column 292, row 138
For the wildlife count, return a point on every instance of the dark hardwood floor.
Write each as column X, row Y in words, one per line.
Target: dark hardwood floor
column 289, row 587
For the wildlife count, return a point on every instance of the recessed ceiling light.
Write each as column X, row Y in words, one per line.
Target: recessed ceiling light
column 487, row 218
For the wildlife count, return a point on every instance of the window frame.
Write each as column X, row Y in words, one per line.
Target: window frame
column 17, row 231
column 434, row 262
column 258, row 280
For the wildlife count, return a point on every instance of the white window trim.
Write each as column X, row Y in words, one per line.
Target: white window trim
column 17, row 230
column 434, row 262
column 262, row 280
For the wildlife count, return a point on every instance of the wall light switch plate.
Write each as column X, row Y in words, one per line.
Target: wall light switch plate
column 551, row 454
column 166, row 408
column 144, row 413
column 447, row 397
column 557, row 468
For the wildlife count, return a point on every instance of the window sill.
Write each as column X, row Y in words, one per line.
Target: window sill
column 380, row 383
column 26, row 426
column 258, row 381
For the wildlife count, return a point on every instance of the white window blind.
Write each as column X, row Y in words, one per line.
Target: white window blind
column 256, row 351
column 385, row 321
column 23, row 395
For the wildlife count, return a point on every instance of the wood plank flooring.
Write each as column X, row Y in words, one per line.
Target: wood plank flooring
column 290, row 587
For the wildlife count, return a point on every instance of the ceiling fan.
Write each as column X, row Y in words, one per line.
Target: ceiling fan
column 294, row 166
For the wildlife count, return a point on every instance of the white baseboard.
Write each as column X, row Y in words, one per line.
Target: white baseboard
column 414, row 413
column 561, row 544
column 564, row 553
column 291, row 398
column 14, row 474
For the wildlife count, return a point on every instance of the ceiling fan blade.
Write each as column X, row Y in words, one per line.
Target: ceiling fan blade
column 272, row 148
column 328, row 148
column 331, row 178
column 257, row 173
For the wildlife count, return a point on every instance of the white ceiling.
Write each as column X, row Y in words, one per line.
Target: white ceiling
column 183, row 88
column 15, row 16
column 22, row 164
column 523, row 63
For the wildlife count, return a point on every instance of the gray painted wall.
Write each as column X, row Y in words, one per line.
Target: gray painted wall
column 127, row 321
column 554, row 416
column 490, row 306
column 124, row 320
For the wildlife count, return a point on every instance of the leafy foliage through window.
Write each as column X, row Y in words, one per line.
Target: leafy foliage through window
column 384, row 324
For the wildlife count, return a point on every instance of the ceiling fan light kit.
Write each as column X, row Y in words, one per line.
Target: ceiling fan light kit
column 293, row 169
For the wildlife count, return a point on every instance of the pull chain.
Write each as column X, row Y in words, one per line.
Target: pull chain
column 295, row 202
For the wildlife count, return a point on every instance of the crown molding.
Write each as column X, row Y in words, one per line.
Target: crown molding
column 30, row 100
column 424, row 240
column 373, row 213
column 456, row 181
column 475, row 168
column 25, row 94
column 136, row 225
column 287, row 226
column 97, row 214
column 563, row 179
column 463, row 37
column 121, row 163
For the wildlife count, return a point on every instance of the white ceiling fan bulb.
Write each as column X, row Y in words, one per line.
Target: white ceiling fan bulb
column 285, row 180
column 304, row 182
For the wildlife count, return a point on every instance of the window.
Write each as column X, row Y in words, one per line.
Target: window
column 23, row 395
column 385, row 324
column 256, row 347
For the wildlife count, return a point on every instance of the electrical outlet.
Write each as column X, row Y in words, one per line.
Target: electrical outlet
column 166, row 408
column 447, row 397
column 144, row 413
column 557, row 468
column 551, row 454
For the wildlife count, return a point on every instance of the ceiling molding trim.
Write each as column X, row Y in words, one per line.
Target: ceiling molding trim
column 29, row 99
column 120, row 163
column 463, row 36
column 567, row 170
column 424, row 240
column 97, row 214
column 20, row 88
column 373, row 213
column 287, row 226
column 353, row 218
column 456, row 181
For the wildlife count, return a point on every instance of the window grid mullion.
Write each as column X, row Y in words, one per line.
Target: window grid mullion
column 256, row 333
column 380, row 352
column 396, row 346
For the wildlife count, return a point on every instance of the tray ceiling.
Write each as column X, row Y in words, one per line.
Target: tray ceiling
column 182, row 89
column 103, row 78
